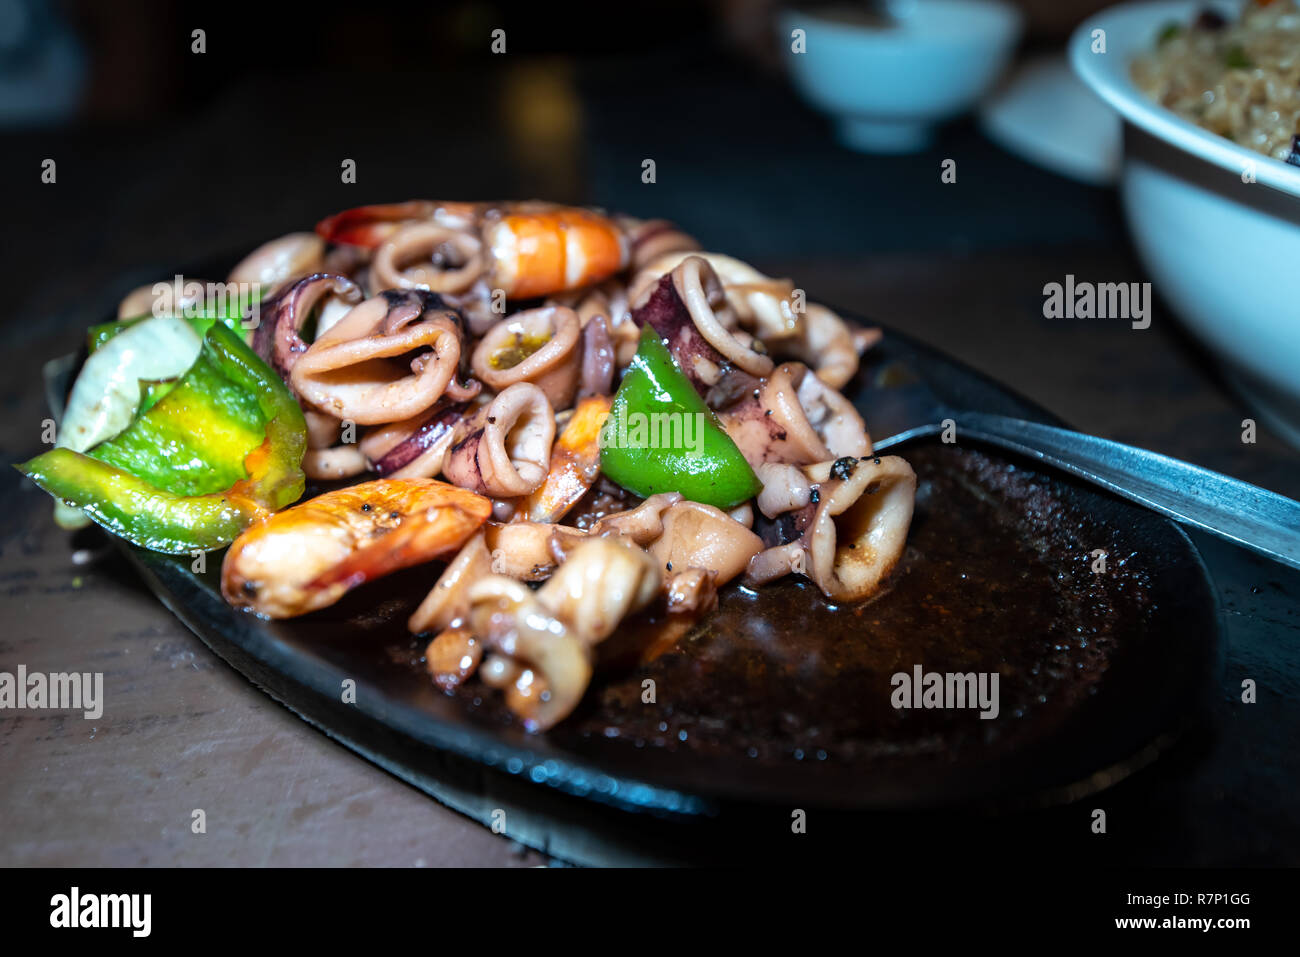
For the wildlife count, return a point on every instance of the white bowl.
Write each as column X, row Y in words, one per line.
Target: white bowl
column 888, row 87
column 1224, row 253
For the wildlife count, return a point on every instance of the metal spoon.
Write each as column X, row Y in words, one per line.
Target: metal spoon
column 900, row 406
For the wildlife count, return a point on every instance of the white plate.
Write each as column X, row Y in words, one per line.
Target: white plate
column 1046, row 115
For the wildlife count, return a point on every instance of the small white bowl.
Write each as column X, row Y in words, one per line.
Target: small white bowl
column 1224, row 253
column 888, row 86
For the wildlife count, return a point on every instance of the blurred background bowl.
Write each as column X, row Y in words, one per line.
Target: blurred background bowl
column 888, row 77
column 1216, row 225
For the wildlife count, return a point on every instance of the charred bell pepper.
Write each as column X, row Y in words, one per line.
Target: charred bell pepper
column 222, row 448
column 661, row 437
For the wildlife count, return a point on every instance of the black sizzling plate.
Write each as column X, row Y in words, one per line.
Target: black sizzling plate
column 779, row 699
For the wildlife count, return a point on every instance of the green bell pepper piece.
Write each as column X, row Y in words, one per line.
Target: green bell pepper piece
column 220, row 450
column 661, row 437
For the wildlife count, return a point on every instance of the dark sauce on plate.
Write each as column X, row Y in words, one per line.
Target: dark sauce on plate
column 998, row 577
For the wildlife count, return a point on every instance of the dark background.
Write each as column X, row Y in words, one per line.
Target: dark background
column 166, row 157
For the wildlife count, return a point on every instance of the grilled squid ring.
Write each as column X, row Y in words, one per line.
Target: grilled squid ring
column 542, row 346
column 448, row 601
column 551, row 632
column 325, row 459
column 348, row 371
column 394, row 264
column 338, row 462
column 648, row 240
column 758, row 302
column 704, row 296
column 785, row 488
column 795, row 418
column 273, row 264
column 642, row 524
column 453, row 656
column 857, row 532
column 415, row 447
column 509, row 618
column 703, row 537
column 606, row 325
column 278, row 337
column 529, row 551
column 688, row 308
column 509, row 453
column 826, row 343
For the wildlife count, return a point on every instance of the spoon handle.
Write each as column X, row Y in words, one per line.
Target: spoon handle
column 1246, row 514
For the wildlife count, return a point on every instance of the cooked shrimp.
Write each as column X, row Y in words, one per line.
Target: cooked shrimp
column 529, row 249
column 539, row 251
column 309, row 556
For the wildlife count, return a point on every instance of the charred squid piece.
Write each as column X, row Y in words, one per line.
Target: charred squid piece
column 574, row 465
column 452, row 657
column 758, row 302
column 692, row 592
column 427, row 256
column 415, row 447
column 650, row 239
column 476, row 305
column 828, row 344
column 278, row 337
column 786, row 527
column 508, row 453
column 369, row 226
column 332, row 464
column 684, row 307
column 596, row 377
column 529, row 551
column 551, row 632
column 796, row 418
column 532, row 649
column 642, row 524
column 785, row 488
column 701, row 536
column 541, row 346
column 610, row 337
column 326, row 460
column 856, row 534
column 349, row 373
column 447, row 603
column 273, row 264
